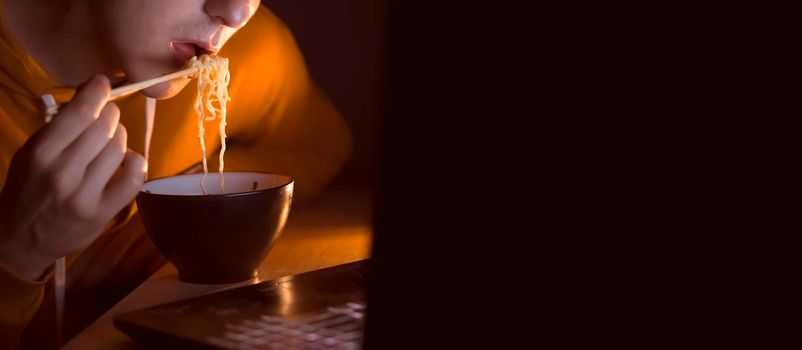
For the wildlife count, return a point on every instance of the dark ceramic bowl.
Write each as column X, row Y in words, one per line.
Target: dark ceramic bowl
column 217, row 237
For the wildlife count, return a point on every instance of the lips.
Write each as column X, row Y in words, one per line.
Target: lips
column 184, row 50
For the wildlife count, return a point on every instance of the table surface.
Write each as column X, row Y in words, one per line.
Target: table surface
column 331, row 230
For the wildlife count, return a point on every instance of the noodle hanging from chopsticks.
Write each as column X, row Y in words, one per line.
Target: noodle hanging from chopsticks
column 213, row 79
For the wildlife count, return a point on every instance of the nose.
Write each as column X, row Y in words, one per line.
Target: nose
column 231, row 13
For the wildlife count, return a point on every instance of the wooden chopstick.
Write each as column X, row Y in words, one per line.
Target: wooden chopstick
column 129, row 89
column 51, row 107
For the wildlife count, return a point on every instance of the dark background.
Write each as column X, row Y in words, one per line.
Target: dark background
column 591, row 173
column 342, row 42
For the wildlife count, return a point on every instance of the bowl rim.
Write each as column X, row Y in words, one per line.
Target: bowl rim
column 221, row 195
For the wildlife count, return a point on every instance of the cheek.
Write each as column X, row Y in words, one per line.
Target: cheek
column 142, row 42
column 130, row 32
column 145, row 53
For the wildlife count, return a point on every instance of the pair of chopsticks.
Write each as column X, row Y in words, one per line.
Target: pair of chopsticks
column 51, row 107
column 129, row 89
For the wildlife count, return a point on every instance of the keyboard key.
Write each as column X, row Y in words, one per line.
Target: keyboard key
column 236, row 336
column 272, row 320
column 357, row 306
column 256, row 333
column 294, row 342
column 253, row 324
column 328, row 333
column 335, row 322
column 291, row 325
column 320, row 318
column 274, row 329
column 315, row 346
column 339, row 310
column 330, row 341
column 308, row 329
column 311, row 337
column 348, row 337
column 349, row 327
column 256, row 342
column 348, row 346
column 274, row 336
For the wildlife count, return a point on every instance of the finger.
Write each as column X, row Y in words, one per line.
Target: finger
column 102, row 168
column 92, row 141
column 122, row 189
column 76, row 115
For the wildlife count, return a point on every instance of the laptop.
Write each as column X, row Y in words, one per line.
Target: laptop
column 322, row 309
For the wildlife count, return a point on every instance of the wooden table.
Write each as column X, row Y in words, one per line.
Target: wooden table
column 333, row 229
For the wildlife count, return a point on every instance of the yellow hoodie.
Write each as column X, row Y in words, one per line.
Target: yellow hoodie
column 278, row 121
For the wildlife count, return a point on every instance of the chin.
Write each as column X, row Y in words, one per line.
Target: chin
column 166, row 90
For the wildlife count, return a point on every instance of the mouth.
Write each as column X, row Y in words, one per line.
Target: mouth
column 182, row 51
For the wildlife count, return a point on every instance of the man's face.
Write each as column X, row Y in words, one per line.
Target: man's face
column 155, row 37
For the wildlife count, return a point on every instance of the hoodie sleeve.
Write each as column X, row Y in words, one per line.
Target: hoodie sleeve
column 20, row 298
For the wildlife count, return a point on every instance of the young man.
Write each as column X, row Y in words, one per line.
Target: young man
column 67, row 186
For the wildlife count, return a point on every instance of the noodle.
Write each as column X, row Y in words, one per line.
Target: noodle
column 213, row 79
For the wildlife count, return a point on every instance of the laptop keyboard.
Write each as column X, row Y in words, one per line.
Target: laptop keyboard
column 338, row 328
